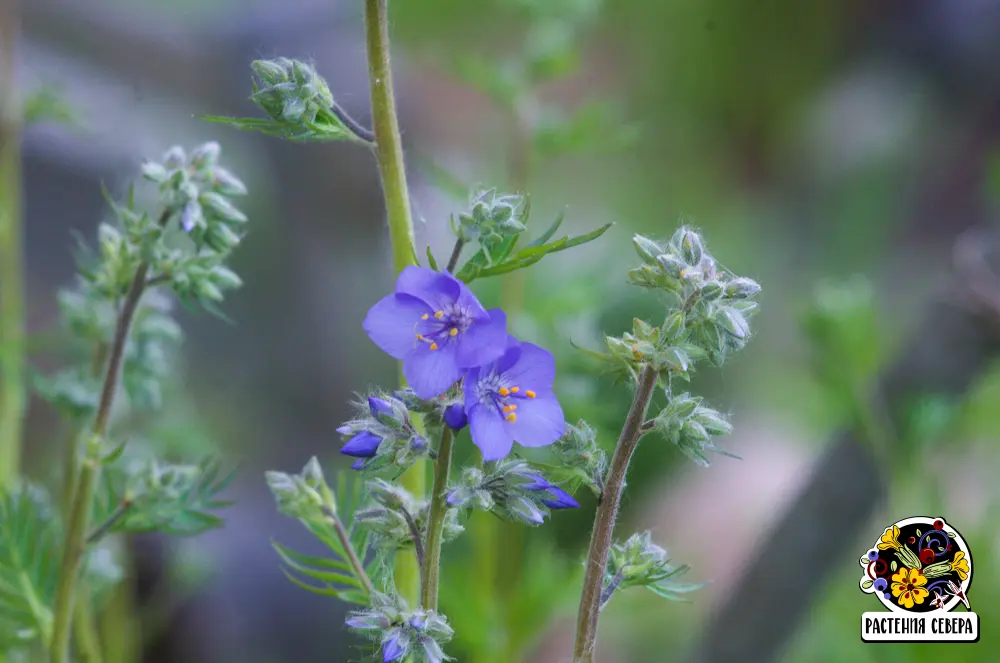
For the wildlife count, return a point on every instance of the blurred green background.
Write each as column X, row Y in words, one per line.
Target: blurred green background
column 815, row 144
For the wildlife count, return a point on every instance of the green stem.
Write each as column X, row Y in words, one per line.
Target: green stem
column 352, row 556
column 85, row 628
column 435, row 523
column 604, row 522
column 74, row 546
column 389, row 153
column 12, row 390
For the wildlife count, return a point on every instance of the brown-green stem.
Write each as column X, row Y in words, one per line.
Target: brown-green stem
column 435, row 523
column 604, row 523
column 75, row 543
column 389, row 153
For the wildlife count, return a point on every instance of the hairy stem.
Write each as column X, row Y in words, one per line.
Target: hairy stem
column 352, row 556
column 120, row 512
column 435, row 523
column 418, row 541
column 389, row 153
column 12, row 389
column 456, row 253
column 604, row 523
column 75, row 542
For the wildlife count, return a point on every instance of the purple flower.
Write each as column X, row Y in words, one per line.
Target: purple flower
column 359, row 464
column 393, row 650
column 380, row 408
column 511, row 399
column 560, row 499
column 454, row 416
column 362, row 445
column 437, row 327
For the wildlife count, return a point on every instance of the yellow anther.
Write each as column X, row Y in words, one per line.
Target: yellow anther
column 684, row 272
column 424, row 316
column 503, row 391
column 514, row 390
column 509, row 408
column 439, row 315
column 434, row 346
column 453, row 332
column 529, row 393
column 511, row 417
column 420, row 337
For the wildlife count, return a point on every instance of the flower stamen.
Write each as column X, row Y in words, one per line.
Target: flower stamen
column 529, row 393
column 511, row 417
column 439, row 315
column 503, row 391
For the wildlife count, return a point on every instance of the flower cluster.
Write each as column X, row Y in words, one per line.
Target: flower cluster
column 638, row 562
column 397, row 518
column 492, row 217
column 513, row 489
column 713, row 306
column 690, row 425
column 401, row 632
column 442, row 334
column 383, row 434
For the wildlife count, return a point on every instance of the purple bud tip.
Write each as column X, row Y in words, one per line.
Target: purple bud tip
column 392, row 651
column 538, row 482
column 380, row 407
column 453, row 499
column 455, row 417
column 417, row 622
column 418, row 443
column 344, row 430
column 359, row 464
column 362, row 445
column 560, row 499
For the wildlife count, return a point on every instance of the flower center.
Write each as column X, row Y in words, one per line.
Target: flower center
column 443, row 327
column 496, row 391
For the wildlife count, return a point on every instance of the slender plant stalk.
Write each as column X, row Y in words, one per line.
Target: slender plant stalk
column 12, row 390
column 604, row 523
column 389, row 153
column 435, row 523
column 352, row 556
column 79, row 518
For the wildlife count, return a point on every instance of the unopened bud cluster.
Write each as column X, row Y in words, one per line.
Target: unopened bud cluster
column 290, row 90
column 391, row 512
column 305, row 496
column 711, row 311
column 383, row 434
column 579, row 454
column 402, row 633
column 195, row 191
column 638, row 562
column 491, row 218
column 513, row 489
column 691, row 426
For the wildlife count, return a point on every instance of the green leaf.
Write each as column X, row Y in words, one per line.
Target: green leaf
column 310, row 566
column 46, row 105
column 431, row 262
column 674, row 592
column 29, row 556
column 300, row 131
column 174, row 499
column 547, row 235
column 867, row 584
column 532, row 254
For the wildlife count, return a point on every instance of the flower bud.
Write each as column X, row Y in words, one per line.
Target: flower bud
column 672, row 266
column 742, row 288
column 688, row 242
column 270, row 72
column 647, row 249
column 455, row 417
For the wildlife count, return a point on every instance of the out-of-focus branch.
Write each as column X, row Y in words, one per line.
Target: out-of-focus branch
column 952, row 346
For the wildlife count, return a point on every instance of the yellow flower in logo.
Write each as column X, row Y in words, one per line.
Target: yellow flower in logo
column 908, row 587
column 960, row 565
column 890, row 539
